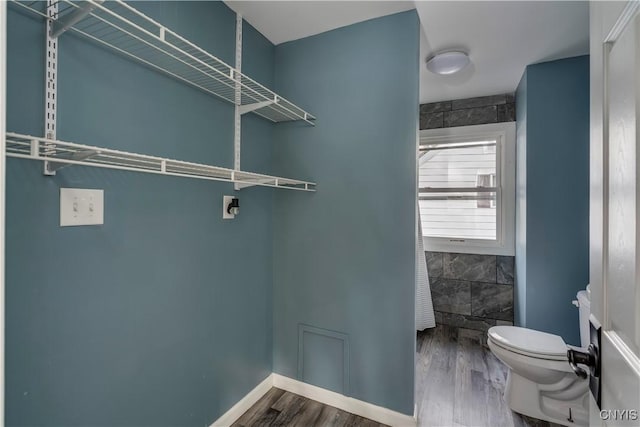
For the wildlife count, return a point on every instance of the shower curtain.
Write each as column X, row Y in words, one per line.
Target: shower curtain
column 425, row 317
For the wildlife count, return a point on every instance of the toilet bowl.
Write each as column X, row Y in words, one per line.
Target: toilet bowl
column 541, row 383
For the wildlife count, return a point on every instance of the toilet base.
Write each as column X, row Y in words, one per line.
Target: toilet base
column 541, row 400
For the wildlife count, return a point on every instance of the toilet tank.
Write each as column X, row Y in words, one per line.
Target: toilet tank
column 584, row 307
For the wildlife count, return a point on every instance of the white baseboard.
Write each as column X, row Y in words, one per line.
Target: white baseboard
column 331, row 398
column 244, row 404
column 340, row 401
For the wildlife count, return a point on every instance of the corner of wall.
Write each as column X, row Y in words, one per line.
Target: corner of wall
column 520, row 290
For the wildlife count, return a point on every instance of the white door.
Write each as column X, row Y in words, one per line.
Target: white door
column 615, row 208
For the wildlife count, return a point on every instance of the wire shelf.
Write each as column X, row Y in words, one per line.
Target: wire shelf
column 60, row 154
column 124, row 29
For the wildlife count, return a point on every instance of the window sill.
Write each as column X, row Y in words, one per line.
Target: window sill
column 468, row 247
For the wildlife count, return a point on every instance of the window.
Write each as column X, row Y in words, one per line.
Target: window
column 486, row 180
column 466, row 188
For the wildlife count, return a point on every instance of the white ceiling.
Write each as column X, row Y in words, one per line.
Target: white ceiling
column 502, row 37
column 283, row 21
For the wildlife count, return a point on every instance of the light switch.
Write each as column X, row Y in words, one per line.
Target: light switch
column 81, row 207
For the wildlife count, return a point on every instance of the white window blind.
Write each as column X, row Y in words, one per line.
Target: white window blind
column 460, row 190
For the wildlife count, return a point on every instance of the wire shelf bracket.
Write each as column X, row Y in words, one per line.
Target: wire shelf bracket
column 244, row 109
column 71, row 19
column 78, row 156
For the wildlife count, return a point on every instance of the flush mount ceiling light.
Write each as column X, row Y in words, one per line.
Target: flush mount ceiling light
column 447, row 63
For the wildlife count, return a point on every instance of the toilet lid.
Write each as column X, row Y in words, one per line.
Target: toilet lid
column 529, row 341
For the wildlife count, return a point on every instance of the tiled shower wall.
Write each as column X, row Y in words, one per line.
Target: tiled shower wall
column 470, row 111
column 471, row 291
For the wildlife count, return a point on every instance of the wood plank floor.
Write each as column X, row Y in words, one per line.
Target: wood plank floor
column 459, row 382
column 282, row 408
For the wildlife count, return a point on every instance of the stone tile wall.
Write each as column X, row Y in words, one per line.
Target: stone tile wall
column 471, row 291
column 470, row 111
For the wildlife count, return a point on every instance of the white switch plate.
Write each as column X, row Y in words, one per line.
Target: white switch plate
column 225, row 202
column 81, row 207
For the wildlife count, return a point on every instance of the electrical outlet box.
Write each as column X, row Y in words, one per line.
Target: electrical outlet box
column 81, row 207
column 225, row 202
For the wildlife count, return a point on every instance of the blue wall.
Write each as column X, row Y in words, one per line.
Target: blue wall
column 556, row 226
column 344, row 259
column 162, row 316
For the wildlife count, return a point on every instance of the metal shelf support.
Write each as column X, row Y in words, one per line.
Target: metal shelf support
column 51, row 76
column 71, row 19
column 79, row 156
column 237, row 113
column 244, row 109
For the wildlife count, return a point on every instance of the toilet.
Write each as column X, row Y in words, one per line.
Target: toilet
column 541, row 384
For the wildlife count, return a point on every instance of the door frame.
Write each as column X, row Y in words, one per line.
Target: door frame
column 608, row 20
column 3, row 117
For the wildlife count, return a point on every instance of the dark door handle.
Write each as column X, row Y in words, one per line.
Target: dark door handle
column 589, row 358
